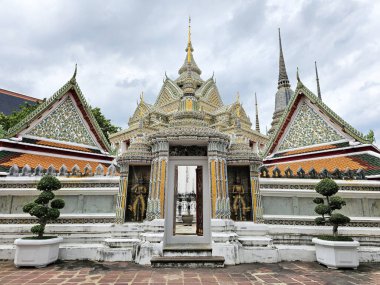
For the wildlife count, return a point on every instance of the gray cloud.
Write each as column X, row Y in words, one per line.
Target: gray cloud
column 124, row 47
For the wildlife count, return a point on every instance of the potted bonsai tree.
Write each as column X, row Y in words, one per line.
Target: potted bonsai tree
column 334, row 251
column 41, row 250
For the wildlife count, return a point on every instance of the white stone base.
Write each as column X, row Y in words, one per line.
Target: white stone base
column 36, row 252
column 140, row 242
column 337, row 254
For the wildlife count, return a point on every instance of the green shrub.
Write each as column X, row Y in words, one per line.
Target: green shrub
column 49, row 183
column 57, row 204
column 328, row 188
column 336, row 238
column 44, row 207
column 318, row 200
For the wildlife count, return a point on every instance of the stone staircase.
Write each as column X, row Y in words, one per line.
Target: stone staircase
column 187, row 255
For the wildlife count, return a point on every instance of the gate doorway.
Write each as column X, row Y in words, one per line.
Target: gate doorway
column 188, row 186
column 187, row 202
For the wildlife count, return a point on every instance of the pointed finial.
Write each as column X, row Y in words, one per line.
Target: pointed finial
column 73, row 78
column 212, row 75
column 142, row 96
column 140, row 105
column 318, row 87
column 283, row 80
column 238, row 104
column 298, row 75
column 189, row 43
column 257, row 115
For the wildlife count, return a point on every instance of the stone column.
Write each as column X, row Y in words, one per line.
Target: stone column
column 157, row 189
column 255, row 192
column 122, row 194
column 212, row 160
column 227, row 210
column 218, row 180
column 152, row 188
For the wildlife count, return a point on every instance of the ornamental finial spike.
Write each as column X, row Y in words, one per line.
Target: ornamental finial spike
column 317, row 78
column 189, row 43
column 298, row 75
column 73, row 78
column 257, row 115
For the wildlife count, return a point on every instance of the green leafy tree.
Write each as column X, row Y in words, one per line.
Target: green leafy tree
column 44, row 210
column 106, row 126
column 371, row 136
column 9, row 121
column 328, row 188
column 2, row 132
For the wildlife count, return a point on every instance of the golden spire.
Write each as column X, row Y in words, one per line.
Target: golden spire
column 141, row 101
column 189, row 43
column 238, row 105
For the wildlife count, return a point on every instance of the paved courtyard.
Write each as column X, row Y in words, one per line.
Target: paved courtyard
column 125, row 273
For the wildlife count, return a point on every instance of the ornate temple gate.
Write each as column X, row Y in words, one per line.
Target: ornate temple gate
column 218, row 157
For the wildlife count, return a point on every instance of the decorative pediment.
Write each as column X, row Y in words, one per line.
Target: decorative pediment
column 65, row 116
column 311, row 124
column 169, row 92
column 63, row 123
column 308, row 127
column 142, row 109
column 209, row 93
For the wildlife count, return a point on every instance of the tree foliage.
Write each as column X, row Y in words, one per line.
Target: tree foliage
column 11, row 120
column 2, row 131
column 328, row 188
column 371, row 136
column 106, row 126
column 40, row 208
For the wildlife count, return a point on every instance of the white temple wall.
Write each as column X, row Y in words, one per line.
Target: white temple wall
column 88, row 195
column 285, row 198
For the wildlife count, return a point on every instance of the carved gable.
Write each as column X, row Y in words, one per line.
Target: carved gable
column 308, row 128
column 169, row 93
column 64, row 123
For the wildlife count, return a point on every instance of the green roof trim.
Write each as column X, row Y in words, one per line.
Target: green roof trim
column 70, row 85
column 301, row 89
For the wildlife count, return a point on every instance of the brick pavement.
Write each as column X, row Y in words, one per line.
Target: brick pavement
column 125, row 273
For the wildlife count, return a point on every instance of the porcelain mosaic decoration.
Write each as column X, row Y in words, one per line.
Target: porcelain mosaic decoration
column 308, row 128
column 64, row 124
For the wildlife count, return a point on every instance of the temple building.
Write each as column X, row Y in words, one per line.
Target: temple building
column 189, row 125
column 60, row 137
column 192, row 176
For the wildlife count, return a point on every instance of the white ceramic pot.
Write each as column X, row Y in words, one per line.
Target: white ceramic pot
column 337, row 254
column 36, row 252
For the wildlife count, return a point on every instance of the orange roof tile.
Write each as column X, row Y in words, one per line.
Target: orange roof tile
column 309, row 149
column 61, row 145
column 33, row 160
column 330, row 163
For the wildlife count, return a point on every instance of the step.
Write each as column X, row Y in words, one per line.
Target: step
column 187, row 261
column 121, row 242
column 187, row 250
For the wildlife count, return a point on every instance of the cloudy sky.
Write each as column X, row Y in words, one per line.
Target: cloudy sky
column 125, row 47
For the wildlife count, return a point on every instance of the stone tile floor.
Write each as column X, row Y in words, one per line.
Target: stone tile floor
column 125, row 273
